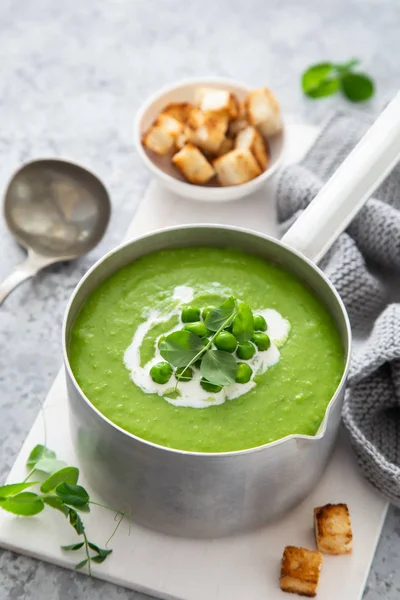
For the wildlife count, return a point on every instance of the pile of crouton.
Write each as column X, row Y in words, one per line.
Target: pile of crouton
column 217, row 138
column 300, row 569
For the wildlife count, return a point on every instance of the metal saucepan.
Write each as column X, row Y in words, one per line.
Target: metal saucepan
column 210, row 495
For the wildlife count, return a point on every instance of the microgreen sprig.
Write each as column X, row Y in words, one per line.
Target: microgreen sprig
column 184, row 348
column 60, row 491
column 327, row 78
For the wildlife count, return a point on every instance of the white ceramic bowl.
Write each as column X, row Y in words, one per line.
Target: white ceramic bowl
column 162, row 168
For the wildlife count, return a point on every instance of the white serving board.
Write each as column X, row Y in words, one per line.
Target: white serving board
column 237, row 568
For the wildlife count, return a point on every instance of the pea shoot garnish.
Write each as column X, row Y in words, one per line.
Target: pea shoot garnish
column 208, row 341
column 58, row 489
column 327, row 78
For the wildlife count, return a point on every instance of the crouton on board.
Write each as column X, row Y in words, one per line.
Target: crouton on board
column 178, row 110
column 264, row 111
column 193, row 165
column 333, row 532
column 251, row 139
column 235, row 167
column 300, row 570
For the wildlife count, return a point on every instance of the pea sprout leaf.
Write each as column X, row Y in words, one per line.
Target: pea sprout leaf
column 181, row 347
column 81, row 564
column 56, row 503
column 76, row 521
column 100, row 551
column 218, row 316
column 316, row 77
column 25, row 504
column 98, row 559
column 243, row 325
column 325, row 79
column 12, row 489
column 37, row 454
column 49, row 465
column 66, row 475
column 218, row 367
column 73, row 547
column 357, row 87
column 73, row 495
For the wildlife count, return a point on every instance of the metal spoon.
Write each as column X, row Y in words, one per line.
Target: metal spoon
column 57, row 211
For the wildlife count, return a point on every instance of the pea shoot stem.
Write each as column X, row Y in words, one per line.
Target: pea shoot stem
column 87, row 553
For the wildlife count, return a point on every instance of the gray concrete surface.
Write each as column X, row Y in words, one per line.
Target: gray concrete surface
column 72, row 75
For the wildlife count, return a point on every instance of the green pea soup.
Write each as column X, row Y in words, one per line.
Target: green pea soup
column 290, row 397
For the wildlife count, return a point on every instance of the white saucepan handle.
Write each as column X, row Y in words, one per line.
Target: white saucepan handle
column 334, row 207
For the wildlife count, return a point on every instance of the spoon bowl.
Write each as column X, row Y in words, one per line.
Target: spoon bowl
column 57, row 211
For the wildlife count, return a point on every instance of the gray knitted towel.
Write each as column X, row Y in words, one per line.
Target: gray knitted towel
column 364, row 266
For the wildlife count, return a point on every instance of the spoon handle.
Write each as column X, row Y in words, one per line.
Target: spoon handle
column 24, row 271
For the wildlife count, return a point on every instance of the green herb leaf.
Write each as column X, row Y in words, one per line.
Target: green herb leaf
column 81, row 564
column 73, row 495
column 37, row 454
column 98, row 559
column 357, row 87
column 66, row 475
column 49, row 465
column 217, row 316
column 100, row 551
column 12, row 489
column 56, row 503
column 73, row 547
column 76, row 521
column 218, row 367
column 320, row 80
column 25, row 504
column 180, row 347
column 243, row 325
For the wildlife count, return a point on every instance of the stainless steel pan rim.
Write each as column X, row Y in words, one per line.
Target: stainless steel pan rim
column 323, row 425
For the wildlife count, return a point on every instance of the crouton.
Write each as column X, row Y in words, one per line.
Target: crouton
column 252, row 139
column 236, row 127
column 178, row 110
column 333, row 531
column 300, row 571
column 158, row 140
column 236, row 167
column 210, row 135
column 183, row 138
column 226, row 146
column 215, row 100
column 170, row 125
column 193, row 165
column 264, row 111
column 195, row 117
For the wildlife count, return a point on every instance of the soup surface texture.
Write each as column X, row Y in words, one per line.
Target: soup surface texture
column 114, row 342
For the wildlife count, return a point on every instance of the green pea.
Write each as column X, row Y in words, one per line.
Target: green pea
column 243, row 373
column 225, row 341
column 206, row 311
column 190, row 314
column 161, row 372
column 198, row 328
column 245, row 350
column 260, row 324
column 210, row 387
column 261, row 340
column 184, row 374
